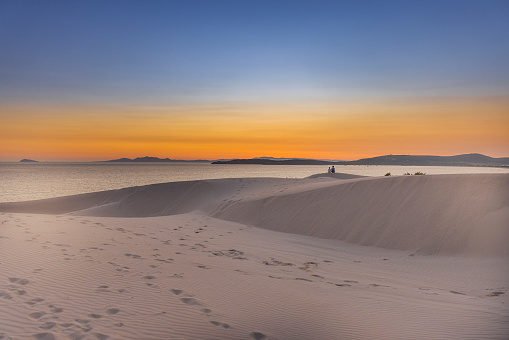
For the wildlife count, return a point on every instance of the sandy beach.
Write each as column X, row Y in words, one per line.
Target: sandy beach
column 332, row 256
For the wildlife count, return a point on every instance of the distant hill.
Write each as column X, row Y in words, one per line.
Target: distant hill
column 28, row 161
column 266, row 161
column 151, row 160
column 296, row 159
column 473, row 159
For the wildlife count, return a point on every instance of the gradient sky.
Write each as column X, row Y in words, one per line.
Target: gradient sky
column 96, row 80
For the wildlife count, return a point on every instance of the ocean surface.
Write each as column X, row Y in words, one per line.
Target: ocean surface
column 30, row 181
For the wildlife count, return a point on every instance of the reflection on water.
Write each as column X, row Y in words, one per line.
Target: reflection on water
column 21, row 182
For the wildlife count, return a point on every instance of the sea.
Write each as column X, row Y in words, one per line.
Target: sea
column 32, row 181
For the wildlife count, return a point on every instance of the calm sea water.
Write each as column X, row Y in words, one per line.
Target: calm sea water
column 27, row 181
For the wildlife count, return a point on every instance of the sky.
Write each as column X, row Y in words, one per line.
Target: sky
column 98, row 80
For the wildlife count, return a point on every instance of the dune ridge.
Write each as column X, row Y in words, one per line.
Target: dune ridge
column 432, row 214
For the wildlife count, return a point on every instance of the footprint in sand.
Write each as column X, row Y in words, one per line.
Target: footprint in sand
column 36, row 315
column 44, row 336
column 377, row 285
column 95, row 316
column 190, row 301
column 34, row 301
column 224, row 325
column 495, row 294
column 48, row 325
column 6, row 296
column 55, row 309
column 18, row 281
column 258, row 336
column 176, row 291
column 112, row 311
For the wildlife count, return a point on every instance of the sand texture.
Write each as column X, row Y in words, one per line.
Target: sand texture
column 326, row 257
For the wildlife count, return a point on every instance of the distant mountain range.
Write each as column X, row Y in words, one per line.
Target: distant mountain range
column 473, row 159
column 153, row 160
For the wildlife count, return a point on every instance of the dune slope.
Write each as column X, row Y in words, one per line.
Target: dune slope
column 429, row 214
column 144, row 201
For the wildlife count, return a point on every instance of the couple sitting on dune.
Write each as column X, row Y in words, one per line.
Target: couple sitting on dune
column 331, row 171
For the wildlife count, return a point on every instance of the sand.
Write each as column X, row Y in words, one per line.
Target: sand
column 326, row 257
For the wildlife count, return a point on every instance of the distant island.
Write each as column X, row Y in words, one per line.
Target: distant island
column 153, row 160
column 28, row 161
column 473, row 159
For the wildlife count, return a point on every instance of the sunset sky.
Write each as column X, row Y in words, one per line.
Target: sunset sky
column 98, row 80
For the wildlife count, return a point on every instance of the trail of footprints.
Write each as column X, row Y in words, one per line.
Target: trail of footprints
column 189, row 300
column 51, row 317
column 48, row 315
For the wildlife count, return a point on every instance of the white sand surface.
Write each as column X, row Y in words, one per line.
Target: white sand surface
column 411, row 257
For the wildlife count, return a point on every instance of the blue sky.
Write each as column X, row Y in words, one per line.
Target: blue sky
column 89, row 80
column 173, row 51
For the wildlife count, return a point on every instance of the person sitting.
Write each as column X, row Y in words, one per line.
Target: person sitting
column 329, row 171
column 333, row 170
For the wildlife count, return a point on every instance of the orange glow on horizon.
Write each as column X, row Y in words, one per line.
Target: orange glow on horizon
column 334, row 130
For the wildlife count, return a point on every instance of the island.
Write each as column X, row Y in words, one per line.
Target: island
column 148, row 159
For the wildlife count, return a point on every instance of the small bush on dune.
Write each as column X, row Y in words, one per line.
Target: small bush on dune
column 419, row 173
column 388, row 174
column 407, row 174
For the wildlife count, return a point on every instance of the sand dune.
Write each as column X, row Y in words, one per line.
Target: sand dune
column 188, row 263
column 427, row 214
column 164, row 199
column 440, row 214
column 150, row 200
